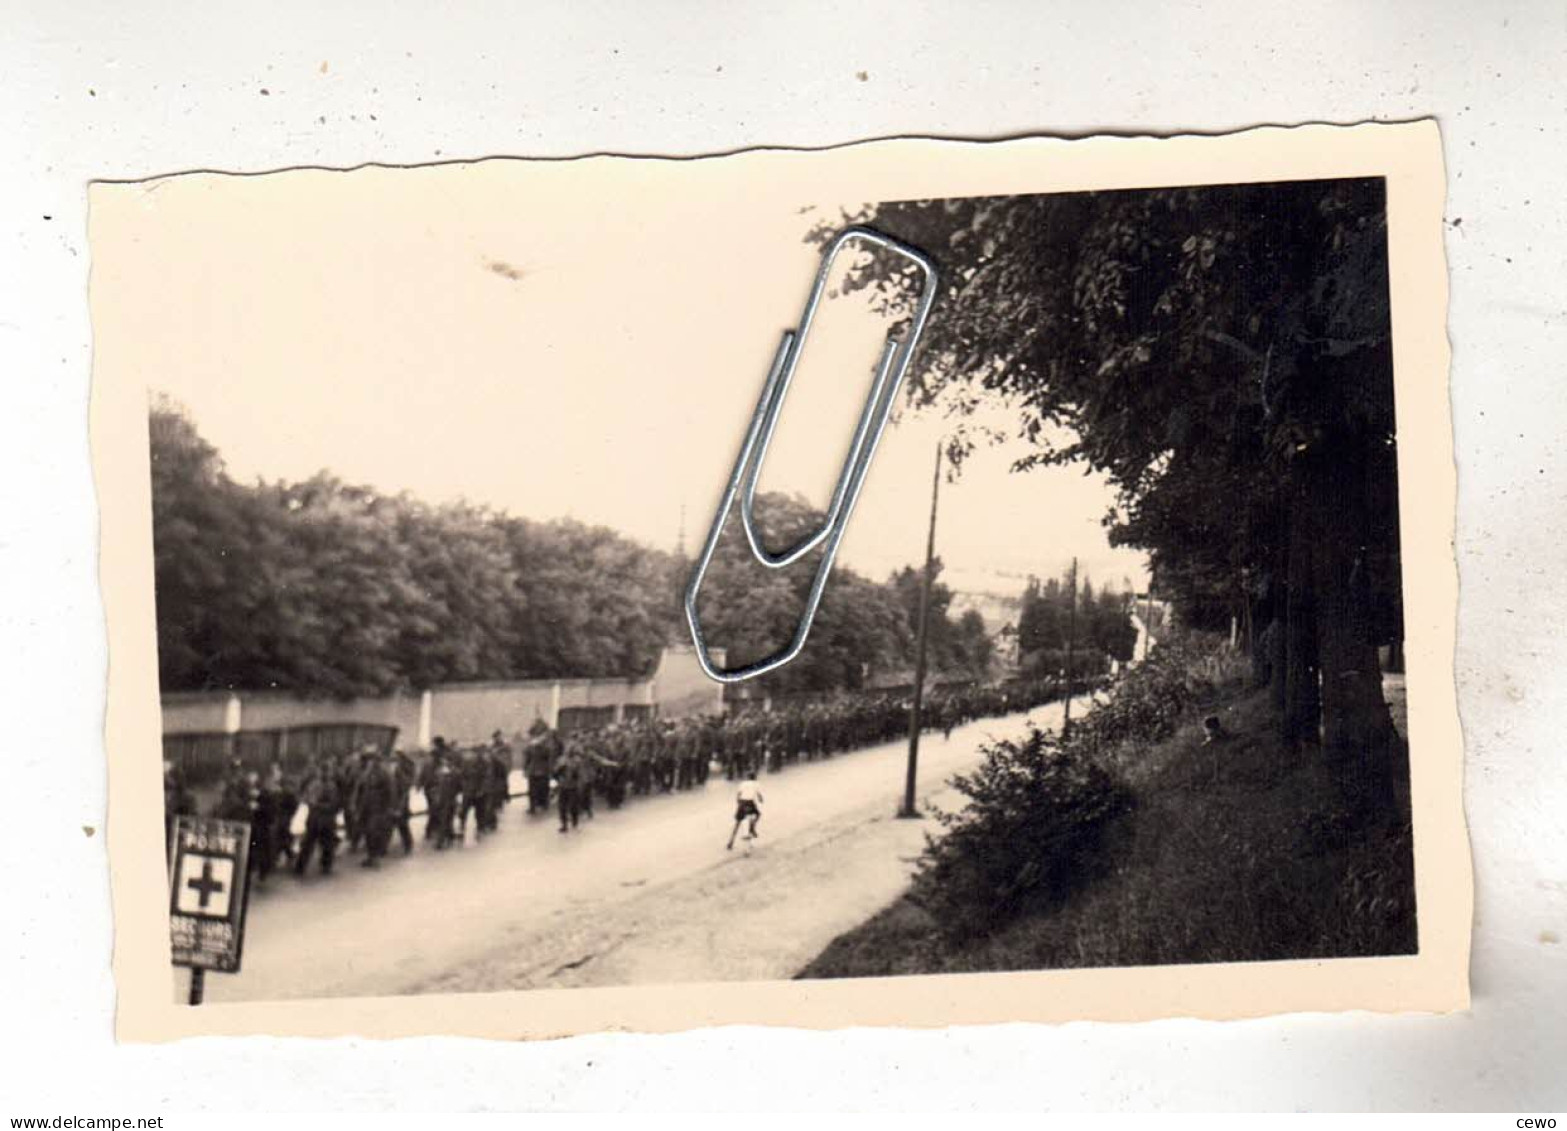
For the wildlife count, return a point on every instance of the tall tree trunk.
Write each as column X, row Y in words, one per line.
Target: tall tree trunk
column 1359, row 739
column 1273, row 634
column 1301, row 701
column 1277, row 657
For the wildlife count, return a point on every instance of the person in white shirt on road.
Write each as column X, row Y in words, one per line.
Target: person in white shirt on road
column 748, row 805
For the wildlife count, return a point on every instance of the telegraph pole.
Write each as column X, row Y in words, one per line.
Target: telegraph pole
column 908, row 809
column 1071, row 638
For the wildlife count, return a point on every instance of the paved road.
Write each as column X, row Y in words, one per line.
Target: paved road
column 645, row 894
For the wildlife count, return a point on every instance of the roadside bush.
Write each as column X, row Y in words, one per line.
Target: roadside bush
column 1031, row 834
column 1185, row 671
column 1034, row 829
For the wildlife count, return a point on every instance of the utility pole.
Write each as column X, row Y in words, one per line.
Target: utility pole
column 908, row 809
column 1071, row 639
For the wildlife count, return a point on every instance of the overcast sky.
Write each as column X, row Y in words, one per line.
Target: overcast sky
column 495, row 333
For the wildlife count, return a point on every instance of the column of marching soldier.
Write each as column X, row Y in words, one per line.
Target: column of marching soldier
column 365, row 798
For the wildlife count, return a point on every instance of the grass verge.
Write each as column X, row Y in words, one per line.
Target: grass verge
column 1232, row 852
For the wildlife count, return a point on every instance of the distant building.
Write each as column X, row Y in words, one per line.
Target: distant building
column 1000, row 612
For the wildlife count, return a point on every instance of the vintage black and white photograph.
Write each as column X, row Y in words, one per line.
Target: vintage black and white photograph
column 1085, row 504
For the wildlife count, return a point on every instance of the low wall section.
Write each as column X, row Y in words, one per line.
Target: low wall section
column 460, row 712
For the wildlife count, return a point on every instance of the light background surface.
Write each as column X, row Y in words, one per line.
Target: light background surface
column 119, row 90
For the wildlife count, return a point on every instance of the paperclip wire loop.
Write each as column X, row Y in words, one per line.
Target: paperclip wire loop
column 872, row 400
column 747, row 446
column 890, row 371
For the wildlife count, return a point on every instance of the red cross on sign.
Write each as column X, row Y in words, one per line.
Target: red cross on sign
column 207, row 871
column 205, row 885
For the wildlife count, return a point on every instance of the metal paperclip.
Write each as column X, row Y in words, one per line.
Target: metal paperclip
column 890, row 370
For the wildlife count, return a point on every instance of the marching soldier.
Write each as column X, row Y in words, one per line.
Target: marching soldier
column 587, row 776
column 288, row 808
column 441, row 795
column 680, row 754
column 235, row 802
column 538, row 763
column 377, row 799
column 612, row 767
column 947, row 717
column 497, row 763
column 734, row 742
column 427, row 784
column 270, row 831
column 703, row 737
column 323, row 800
column 238, row 802
column 473, row 774
column 641, row 745
column 568, row 783
column 348, row 769
column 403, row 774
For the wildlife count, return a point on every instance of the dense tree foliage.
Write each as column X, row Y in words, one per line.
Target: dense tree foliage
column 863, row 629
column 962, row 646
column 1100, row 629
column 1223, row 355
column 326, row 588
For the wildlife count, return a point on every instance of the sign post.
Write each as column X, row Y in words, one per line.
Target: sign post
column 208, row 893
column 908, row 810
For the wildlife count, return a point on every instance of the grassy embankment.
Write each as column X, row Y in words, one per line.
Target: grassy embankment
column 1228, row 852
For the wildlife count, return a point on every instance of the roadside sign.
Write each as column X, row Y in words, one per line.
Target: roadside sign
column 207, row 875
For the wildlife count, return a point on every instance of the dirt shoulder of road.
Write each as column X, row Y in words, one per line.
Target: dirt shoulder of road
column 1233, row 852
